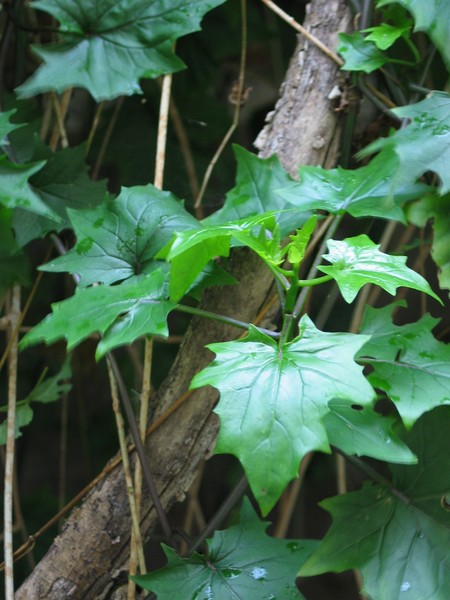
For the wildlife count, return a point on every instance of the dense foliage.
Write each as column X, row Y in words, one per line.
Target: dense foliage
column 139, row 254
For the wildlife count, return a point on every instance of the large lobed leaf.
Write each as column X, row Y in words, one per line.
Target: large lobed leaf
column 431, row 16
column 273, row 399
column 424, row 145
column 364, row 192
column 120, row 238
column 108, row 45
column 409, row 364
column 357, row 261
column 398, row 535
column 121, row 312
column 241, row 562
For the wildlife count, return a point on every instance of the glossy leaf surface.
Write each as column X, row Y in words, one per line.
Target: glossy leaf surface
column 399, row 535
column 357, row 261
column 359, row 54
column 130, row 310
column 120, row 238
column 241, row 562
column 108, row 45
column 273, row 400
column 424, row 145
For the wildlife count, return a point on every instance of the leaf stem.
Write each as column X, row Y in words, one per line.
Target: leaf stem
column 198, row 312
column 312, row 282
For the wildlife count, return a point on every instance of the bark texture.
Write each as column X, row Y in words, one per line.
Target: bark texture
column 88, row 560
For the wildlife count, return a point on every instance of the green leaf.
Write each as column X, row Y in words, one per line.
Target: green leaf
column 241, row 562
column 48, row 390
column 120, row 238
column 24, row 416
column 14, row 265
column 106, row 47
column 62, row 183
column 357, row 261
column 424, row 145
column 130, row 310
column 385, row 35
column 431, row 16
column 15, row 191
column 364, row 192
column 299, row 241
column 6, row 127
column 191, row 250
column 361, row 431
column 359, row 54
column 273, row 399
column 398, row 536
column 436, row 208
column 256, row 192
column 409, row 364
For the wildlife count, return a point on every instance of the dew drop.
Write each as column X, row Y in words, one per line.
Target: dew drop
column 258, row 573
column 405, row 587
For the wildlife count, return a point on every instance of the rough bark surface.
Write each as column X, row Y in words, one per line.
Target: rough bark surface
column 88, row 560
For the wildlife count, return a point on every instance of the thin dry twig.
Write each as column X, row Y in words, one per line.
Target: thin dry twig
column 312, row 38
column 237, row 110
column 14, row 315
column 60, row 109
column 126, row 464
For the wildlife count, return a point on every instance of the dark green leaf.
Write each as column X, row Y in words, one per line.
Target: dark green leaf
column 14, row 265
column 361, row 431
column 120, row 238
column 256, row 192
column 106, row 47
column 62, row 183
column 397, row 536
column 409, row 364
column 130, row 310
column 242, row 562
column 364, row 192
column 273, row 400
column 15, row 191
column 24, row 416
column 424, row 145
column 357, row 261
column 436, row 208
column 359, row 54
column 52, row 388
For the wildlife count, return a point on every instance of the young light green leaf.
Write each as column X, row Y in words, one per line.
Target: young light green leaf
column 15, row 191
column 365, row 192
column 62, row 183
column 136, row 37
column 242, row 562
column 297, row 246
column 14, row 264
column 364, row 432
column 274, row 399
column 359, row 54
column 435, row 207
column 409, row 516
column 385, row 35
column 424, row 145
column 191, row 250
column 24, row 416
column 120, row 238
column 409, row 364
column 130, row 309
column 431, row 16
column 357, row 261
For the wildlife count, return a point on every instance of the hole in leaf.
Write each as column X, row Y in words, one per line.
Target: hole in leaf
column 357, row 407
